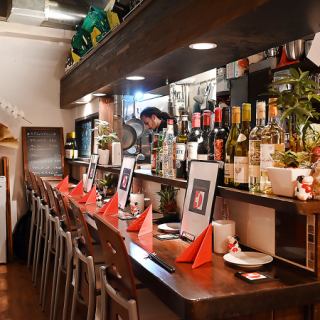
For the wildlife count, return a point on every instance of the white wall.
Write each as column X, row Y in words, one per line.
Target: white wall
column 31, row 68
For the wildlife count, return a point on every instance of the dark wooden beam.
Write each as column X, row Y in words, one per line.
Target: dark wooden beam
column 154, row 42
column 5, row 7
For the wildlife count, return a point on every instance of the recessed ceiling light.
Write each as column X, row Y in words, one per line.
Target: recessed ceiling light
column 135, row 78
column 99, row 94
column 202, row 46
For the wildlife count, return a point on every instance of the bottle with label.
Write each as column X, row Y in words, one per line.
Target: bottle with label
column 230, row 147
column 169, row 151
column 181, row 149
column 71, row 149
column 272, row 140
column 254, row 147
column 241, row 159
column 220, row 137
column 154, row 152
column 213, row 132
column 160, row 152
column 226, row 118
column 203, row 149
column 194, row 138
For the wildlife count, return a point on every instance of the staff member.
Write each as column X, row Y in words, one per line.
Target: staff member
column 155, row 119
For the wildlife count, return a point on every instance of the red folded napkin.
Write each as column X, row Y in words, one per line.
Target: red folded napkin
column 200, row 251
column 90, row 197
column 137, row 224
column 111, row 207
column 77, row 190
column 146, row 227
column 63, row 186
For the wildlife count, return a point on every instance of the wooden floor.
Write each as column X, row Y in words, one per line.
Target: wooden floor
column 18, row 298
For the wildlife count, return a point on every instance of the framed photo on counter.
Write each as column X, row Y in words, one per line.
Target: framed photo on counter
column 200, row 196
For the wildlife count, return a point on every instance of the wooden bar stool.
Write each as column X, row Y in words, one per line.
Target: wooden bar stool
column 119, row 297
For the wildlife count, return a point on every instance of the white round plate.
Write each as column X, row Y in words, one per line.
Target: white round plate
column 248, row 259
column 170, row 227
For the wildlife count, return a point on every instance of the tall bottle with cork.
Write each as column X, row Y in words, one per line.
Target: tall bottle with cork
column 181, row 149
column 194, row 138
column 241, row 159
column 169, row 151
column 220, row 136
column 272, row 140
column 254, row 147
column 203, row 148
column 230, row 147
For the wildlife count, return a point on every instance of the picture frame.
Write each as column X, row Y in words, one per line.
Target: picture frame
column 125, row 179
column 200, row 197
column 91, row 173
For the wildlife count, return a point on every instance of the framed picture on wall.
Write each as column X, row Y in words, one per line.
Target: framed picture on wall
column 200, row 196
column 91, row 173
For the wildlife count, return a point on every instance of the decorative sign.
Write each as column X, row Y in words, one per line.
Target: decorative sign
column 125, row 179
column 200, row 196
column 43, row 151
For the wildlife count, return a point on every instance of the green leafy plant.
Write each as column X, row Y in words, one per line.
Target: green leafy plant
column 167, row 199
column 104, row 134
column 298, row 101
column 290, row 159
column 108, row 184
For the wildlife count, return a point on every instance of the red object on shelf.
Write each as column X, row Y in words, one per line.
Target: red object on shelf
column 143, row 222
column 200, row 251
column 284, row 61
column 90, row 197
column 63, row 186
column 77, row 190
column 111, row 207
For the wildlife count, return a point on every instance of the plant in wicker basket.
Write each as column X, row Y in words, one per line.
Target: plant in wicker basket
column 168, row 200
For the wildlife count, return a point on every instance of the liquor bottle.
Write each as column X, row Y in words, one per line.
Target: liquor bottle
column 254, row 147
column 154, row 152
column 241, row 161
column 203, row 149
column 194, row 138
column 160, row 152
column 272, row 140
column 226, row 118
column 220, row 137
column 230, row 147
column 181, row 149
column 71, row 149
column 169, row 151
column 217, row 120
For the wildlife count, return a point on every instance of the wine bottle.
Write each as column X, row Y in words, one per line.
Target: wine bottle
column 71, row 149
column 154, row 151
column 203, row 141
column 254, row 147
column 272, row 140
column 230, row 147
column 220, row 137
column 241, row 164
column 194, row 138
column 169, row 151
column 217, row 120
column 159, row 170
column 181, row 149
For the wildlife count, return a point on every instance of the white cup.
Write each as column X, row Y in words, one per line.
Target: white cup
column 222, row 229
column 138, row 199
column 84, row 179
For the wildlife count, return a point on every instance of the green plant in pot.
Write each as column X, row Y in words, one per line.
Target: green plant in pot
column 168, row 204
column 105, row 136
column 108, row 184
column 297, row 104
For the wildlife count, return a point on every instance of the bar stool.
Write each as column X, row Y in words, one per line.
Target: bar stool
column 119, row 297
column 87, row 257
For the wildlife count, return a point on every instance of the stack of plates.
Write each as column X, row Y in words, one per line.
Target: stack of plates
column 248, row 259
column 172, row 227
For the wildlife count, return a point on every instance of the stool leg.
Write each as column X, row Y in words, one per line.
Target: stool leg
column 46, row 252
column 31, row 229
column 92, row 289
column 75, row 289
column 36, row 247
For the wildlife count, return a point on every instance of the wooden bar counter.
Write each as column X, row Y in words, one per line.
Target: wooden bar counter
column 212, row 291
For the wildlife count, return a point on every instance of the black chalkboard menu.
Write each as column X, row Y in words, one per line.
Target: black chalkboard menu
column 43, row 151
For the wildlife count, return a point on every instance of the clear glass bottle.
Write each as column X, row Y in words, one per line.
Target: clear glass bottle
column 181, row 148
column 230, row 147
column 154, row 152
column 272, row 140
column 254, row 147
column 194, row 138
column 241, row 160
column 160, row 152
column 169, row 151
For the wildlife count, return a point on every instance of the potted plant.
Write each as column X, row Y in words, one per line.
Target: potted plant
column 297, row 103
column 287, row 167
column 108, row 184
column 168, row 205
column 105, row 136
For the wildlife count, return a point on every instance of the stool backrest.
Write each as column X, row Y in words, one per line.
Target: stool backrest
column 43, row 191
column 66, row 211
column 118, row 270
column 53, row 201
column 28, row 179
column 82, row 226
column 34, row 183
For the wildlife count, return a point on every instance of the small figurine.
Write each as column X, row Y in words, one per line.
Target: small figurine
column 233, row 245
column 134, row 209
column 316, row 180
column 303, row 189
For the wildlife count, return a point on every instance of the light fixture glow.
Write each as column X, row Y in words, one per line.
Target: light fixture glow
column 139, row 96
column 203, row 46
column 99, row 94
column 135, row 78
